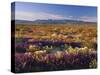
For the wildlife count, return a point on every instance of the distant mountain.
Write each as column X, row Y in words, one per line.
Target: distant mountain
column 23, row 22
column 49, row 21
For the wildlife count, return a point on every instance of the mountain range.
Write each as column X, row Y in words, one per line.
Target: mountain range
column 49, row 21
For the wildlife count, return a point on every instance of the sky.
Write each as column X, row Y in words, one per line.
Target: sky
column 33, row 11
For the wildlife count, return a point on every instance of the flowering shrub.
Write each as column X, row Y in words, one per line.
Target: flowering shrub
column 43, row 61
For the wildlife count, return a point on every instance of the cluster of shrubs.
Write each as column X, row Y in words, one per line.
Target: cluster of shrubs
column 73, row 58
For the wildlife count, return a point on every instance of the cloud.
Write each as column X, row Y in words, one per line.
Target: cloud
column 21, row 15
column 24, row 15
column 35, row 15
column 88, row 18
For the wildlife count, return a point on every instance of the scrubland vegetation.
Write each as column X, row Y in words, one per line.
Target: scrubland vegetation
column 55, row 47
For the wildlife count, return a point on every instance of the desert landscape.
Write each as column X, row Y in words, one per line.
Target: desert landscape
column 55, row 47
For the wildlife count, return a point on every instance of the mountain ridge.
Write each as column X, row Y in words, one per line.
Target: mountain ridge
column 49, row 21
